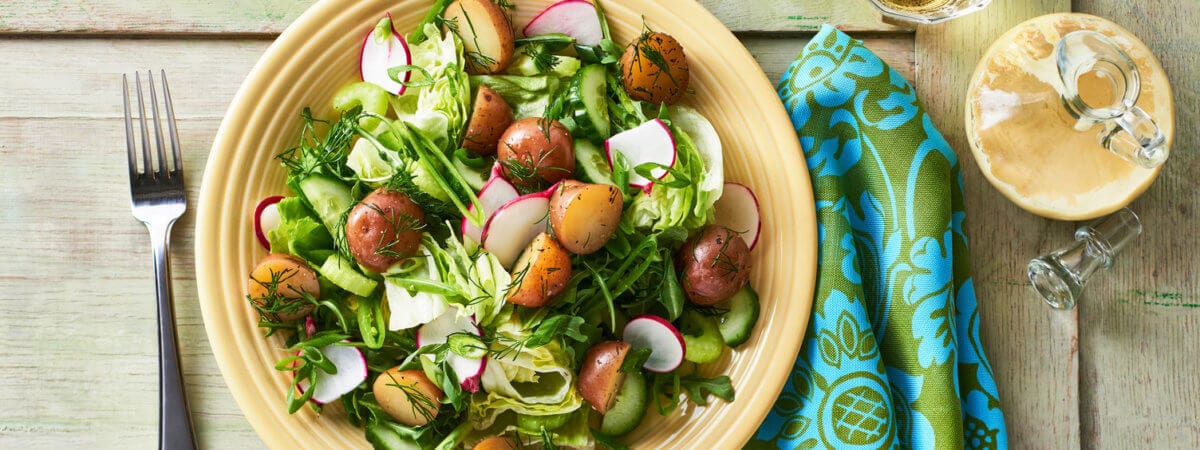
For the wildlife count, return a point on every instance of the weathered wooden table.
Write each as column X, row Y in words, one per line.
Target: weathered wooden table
column 78, row 362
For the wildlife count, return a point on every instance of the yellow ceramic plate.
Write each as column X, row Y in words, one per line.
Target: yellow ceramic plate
column 319, row 53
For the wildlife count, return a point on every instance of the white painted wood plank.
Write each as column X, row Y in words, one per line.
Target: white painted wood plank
column 272, row 16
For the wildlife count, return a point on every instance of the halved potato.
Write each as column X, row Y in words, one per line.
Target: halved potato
column 490, row 116
column 544, row 270
column 497, row 443
column 278, row 284
column 408, row 396
column 601, row 375
column 585, row 216
column 486, row 34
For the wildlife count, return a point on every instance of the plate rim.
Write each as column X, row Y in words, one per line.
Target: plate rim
column 232, row 130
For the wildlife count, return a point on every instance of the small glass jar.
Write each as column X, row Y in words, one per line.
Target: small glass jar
column 926, row 12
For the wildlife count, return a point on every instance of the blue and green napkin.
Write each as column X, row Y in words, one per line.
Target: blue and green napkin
column 892, row 356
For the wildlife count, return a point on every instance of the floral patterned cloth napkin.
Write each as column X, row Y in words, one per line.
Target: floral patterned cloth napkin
column 892, row 356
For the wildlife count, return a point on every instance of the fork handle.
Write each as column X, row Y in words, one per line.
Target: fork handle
column 174, row 422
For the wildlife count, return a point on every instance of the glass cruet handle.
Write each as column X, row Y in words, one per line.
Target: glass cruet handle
column 1127, row 130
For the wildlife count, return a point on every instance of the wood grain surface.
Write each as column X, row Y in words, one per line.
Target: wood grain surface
column 80, row 359
column 1138, row 386
column 1034, row 351
column 268, row 17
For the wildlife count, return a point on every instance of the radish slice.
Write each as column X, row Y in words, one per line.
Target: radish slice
column 310, row 326
column 497, row 171
column 495, row 193
column 266, row 218
column 513, row 226
column 649, row 142
column 737, row 210
column 663, row 339
column 380, row 53
column 351, row 371
column 439, row 330
column 574, row 18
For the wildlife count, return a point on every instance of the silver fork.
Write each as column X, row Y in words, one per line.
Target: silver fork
column 158, row 200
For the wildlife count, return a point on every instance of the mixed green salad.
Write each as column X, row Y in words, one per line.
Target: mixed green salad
column 494, row 242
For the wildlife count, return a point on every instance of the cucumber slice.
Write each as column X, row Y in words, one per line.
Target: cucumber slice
column 738, row 322
column 629, row 407
column 589, row 95
column 342, row 273
column 533, row 424
column 591, row 163
column 701, row 338
column 329, row 198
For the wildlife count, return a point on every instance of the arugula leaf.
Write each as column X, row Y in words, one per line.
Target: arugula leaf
column 698, row 388
column 608, row 441
column 672, row 297
column 635, row 359
column 667, row 387
column 554, row 326
column 677, row 180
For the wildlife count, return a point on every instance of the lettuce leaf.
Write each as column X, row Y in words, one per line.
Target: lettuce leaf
column 575, row 433
column 536, row 381
column 526, row 88
column 699, row 158
column 437, row 100
column 528, row 95
column 707, row 144
column 408, row 309
column 300, row 233
column 478, row 279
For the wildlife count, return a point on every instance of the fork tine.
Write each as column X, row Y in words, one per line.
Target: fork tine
column 137, row 81
column 129, row 139
column 171, row 122
column 157, row 125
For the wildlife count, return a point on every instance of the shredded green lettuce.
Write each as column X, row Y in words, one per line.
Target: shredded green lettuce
column 408, row 309
column 478, row 280
column 537, row 381
column 528, row 95
column 300, row 233
column 699, row 159
column 526, row 88
column 437, row 100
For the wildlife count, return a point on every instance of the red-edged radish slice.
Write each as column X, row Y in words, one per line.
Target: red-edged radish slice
column 310, row 326
column 513, row 226
column 266, row 218
column 380, row 53
column 737, row 210
column 663, row 339
column 574, row 18
column 649, row 142
column 439, row 330
column 497, row 171
column 495, row 193
column 351, row 371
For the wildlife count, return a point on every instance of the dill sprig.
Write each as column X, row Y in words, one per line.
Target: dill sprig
column 723, row 261
column 399, row 222
column 273, row 304
column 527, row 174
column 644, row 46
column 322, row 154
